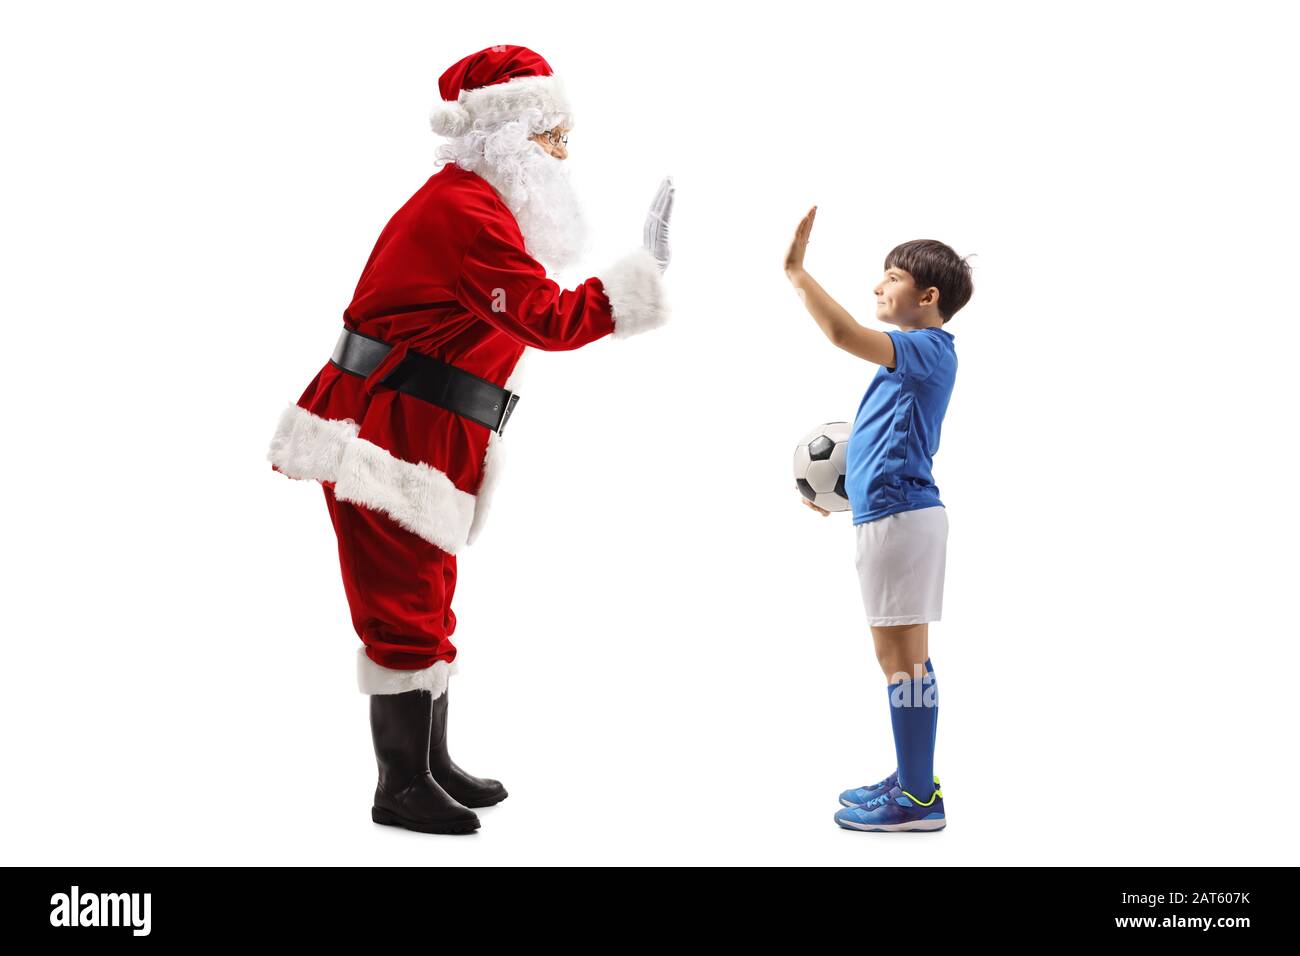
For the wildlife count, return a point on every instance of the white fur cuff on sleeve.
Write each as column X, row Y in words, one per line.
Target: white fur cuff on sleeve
column 635, row 288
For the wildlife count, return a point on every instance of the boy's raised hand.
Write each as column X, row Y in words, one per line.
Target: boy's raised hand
column 799, row 245
column 821, row 511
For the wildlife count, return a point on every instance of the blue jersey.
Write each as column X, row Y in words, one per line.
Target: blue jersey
column 896, row 432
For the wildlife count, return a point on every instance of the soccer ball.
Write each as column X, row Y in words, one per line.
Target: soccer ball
column 819, row 465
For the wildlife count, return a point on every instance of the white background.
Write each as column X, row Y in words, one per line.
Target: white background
column 663, row 655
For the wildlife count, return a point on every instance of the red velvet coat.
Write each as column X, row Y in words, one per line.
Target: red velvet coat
column 449, row 277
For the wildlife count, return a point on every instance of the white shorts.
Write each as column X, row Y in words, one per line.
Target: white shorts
column 901, row 560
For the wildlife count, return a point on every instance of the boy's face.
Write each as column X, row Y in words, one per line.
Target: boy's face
column 898, row 301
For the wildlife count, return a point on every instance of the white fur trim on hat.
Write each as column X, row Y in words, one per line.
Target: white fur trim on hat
column 419, row 497
column 636, row 294
column 373, row 678
column 503, row 102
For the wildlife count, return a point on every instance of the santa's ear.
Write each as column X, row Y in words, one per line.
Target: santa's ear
column 449, row 119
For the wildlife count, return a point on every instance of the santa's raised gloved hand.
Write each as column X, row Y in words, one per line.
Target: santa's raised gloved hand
column 655, row 237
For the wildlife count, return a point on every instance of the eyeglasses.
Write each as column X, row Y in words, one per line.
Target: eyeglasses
column 555, row 137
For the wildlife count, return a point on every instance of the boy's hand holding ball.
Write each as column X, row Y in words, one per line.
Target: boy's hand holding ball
column 821, row 511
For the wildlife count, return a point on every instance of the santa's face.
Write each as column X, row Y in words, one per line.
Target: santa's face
column 554, row 141
column 546, row 206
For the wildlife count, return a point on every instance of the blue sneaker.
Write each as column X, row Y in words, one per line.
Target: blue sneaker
column 864, row 795
column 895, row 810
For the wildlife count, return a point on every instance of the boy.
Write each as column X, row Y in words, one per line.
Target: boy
column 901, row 525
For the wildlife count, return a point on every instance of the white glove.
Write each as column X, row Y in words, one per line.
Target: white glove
column 655, row 237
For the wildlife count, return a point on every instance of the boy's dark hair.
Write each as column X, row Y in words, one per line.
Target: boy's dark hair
column 931, row 263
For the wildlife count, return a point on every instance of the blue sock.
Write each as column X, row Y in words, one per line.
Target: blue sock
column 934, row 717
column 913, row 710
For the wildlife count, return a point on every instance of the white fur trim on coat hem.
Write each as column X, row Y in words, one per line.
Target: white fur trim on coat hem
column 494, row 459
column 375, row 679
column 493, row 464
column 502, row 103
column 419, row 497
column 635, row 288
column 308, row 446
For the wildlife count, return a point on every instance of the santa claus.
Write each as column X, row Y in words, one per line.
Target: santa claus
column 402, row 426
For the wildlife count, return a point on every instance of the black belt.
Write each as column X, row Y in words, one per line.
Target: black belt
column 430, row 379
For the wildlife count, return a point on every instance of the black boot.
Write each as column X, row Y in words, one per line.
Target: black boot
column 470, row 791
column 407, row 795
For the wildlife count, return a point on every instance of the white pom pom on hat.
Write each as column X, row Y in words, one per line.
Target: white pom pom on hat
column 450, row 119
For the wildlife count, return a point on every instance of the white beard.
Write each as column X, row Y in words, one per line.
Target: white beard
column 534, row 185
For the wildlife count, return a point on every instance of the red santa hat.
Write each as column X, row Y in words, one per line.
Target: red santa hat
column 497, row 85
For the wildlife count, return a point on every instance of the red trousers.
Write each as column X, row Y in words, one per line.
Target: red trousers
column 399, row 587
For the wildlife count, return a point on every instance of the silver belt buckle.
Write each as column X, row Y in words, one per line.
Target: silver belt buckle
column 505, row 415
